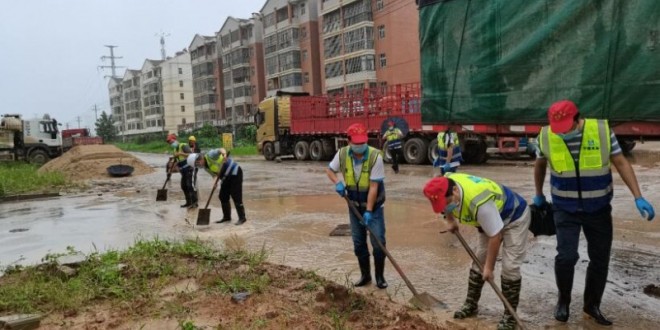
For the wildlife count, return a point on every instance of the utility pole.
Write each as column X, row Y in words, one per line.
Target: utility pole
column 67, row 125
column 78, row 119
column 112, row 58
column 96, row 112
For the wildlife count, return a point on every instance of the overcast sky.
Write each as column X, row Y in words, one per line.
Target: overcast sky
column 50, row 50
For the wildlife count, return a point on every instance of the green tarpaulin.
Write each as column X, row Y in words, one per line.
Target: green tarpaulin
column 506, row 61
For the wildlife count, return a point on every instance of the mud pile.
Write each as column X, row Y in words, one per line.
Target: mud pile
column 91, row 162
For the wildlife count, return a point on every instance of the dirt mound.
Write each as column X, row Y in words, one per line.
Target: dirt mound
column 91, row 162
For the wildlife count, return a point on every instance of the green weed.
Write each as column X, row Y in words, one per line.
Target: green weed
column 20, row 178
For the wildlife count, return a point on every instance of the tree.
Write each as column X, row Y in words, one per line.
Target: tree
column 105, row 127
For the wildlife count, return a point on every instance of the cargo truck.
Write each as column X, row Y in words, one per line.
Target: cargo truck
column 33, row 140
column 490, row 69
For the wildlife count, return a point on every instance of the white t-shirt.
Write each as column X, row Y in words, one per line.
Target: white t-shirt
column 377, row 171
column 488, row 217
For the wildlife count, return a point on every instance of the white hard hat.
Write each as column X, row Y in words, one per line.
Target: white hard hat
column 191, row 159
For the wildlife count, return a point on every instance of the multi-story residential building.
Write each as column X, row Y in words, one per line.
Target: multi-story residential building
column 368, row 43
column 291, row 44
column 155, row 98
column 204, row 60
column 240, row 46
column 116, row 104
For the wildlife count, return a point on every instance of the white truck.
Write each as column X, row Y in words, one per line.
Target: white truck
column 33, row 140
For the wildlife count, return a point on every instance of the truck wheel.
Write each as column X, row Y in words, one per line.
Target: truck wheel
column 433, row 150
column 328, row 149
column 316, row 150
column 301, row 150
column 387, row 156
column 474, row 152
column 415, row 151
column 269, row 151
column 38, row 157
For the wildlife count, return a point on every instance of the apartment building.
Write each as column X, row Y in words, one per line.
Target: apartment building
column 366, row 44
column 205, row 75
column 155, row 98
column 241, row 49
column 291, row 43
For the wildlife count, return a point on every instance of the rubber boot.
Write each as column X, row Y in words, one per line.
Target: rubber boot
column 511, row 291
column 226, row 212
column 470, row 307
column 593, row 293
column 240, row 209
column 379, row 264
column 187, row 204
column 564, row 280
column 365, row 270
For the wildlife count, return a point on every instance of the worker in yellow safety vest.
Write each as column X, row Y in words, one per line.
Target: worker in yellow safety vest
column 393, row 136
column 449, row 152
column 180, row 152
column 502, row 217
column 579, row 152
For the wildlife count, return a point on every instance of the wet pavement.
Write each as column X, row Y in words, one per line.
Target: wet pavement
column 292, row 208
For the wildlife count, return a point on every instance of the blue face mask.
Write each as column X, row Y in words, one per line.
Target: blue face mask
column 359, row 148
column 450, row 207
column 175, row 144
column 570, row 135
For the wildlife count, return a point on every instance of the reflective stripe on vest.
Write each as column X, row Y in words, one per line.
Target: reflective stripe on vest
column 232, row 167
column 477, row 191
column 393, row 140
column 589, row 186
column 442, row 148
column 359, row 191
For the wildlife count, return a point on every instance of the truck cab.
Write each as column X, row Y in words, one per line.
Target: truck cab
column 273, row 120
column 35, row 140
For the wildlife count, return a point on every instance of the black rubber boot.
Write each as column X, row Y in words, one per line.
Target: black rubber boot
column 365, row 270
column 379, row 265
column 226, row 212
column 241, row 215
column 564, row 280
column 511, row 291
column 470, row 306
column 593, row 293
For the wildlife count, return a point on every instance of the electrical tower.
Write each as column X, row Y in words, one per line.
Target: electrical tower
column 112, row 58
column 163, row 54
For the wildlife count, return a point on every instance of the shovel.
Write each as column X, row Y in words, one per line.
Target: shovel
column 161, row 194
column 204, row 215
column 423, row 301
column 490, row 281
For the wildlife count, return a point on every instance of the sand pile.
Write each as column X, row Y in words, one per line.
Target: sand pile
column 91, row 162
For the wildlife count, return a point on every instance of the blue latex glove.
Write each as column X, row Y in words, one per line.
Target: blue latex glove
column 436, row 162
column 340, row 189
column 367, row 217
column 645, row 209
column 539, row 200
column 446, row 167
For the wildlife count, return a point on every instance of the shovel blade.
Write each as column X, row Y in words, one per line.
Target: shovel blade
column 161, row 195
column 203, row 217
column 425, row 302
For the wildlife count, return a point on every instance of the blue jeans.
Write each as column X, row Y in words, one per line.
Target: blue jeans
column 359, row 234
column 597, row 228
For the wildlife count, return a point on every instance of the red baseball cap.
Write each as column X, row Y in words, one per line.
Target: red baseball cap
column 357, row 133
column 435, row 190
column 561, row 115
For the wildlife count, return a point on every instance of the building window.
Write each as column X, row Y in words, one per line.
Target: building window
column 383, row 87
column 383, row 60
column 181, row 94
column 252, row 72
column 183, row 109
column 380, row 4
column 381, row 32
column 303, row 32
column 180, row 83
column 180, row 71
column 183, row 121
column 302, row 9
column 304, row 55
column 306, row 77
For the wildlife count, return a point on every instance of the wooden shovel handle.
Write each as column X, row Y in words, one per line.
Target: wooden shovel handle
column 215, row 183
column 169, row 171
column 490, row 280
column 382, row 247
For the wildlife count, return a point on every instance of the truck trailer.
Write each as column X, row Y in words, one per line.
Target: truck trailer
column 489, row 71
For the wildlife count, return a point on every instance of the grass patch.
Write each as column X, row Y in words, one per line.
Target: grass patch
column 20, row 178
column 135, row 277
column 151, row 146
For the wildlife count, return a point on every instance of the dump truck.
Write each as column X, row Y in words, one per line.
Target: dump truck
column 489, row 71
column 33, row 140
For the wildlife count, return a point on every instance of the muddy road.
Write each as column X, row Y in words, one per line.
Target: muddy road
column 291, row 209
